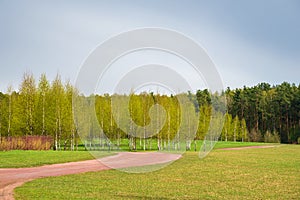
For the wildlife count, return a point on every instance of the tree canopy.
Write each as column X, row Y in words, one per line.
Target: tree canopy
column 259, row 113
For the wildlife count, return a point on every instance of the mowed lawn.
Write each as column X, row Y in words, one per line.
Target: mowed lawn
column 18, row 158
column 270, row 173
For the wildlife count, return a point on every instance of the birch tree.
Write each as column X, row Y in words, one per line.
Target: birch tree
column 28, row 96
column 42, row 105
column 57, row 93
column 9, row 92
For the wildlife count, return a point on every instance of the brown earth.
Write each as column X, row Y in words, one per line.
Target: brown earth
column 10, row 178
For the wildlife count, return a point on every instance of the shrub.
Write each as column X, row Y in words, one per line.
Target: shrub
column 26, row 143
column 272, row 138
column 255, row 136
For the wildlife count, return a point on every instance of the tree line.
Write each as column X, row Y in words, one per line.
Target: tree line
column 39, row 110
column 260, row 113
column 268, row 110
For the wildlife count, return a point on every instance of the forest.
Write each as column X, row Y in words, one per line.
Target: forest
column 46, row 111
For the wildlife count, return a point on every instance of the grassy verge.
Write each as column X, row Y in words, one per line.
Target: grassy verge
column 271, row 173
column 17, row 159
column 220, row 145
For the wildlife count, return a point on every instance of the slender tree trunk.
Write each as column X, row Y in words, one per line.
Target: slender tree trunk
column 144, row 147
column 158, row 145
column 59, row 131
column 140, row 142
column 234, row 132
column 188, row 145
column 157, row 128
column 130, row 142
column 118, row 142
column 31, row 117
column 76, row 139
column 100, row 140
column 72, row 139
column 43, row 126
column 178, row 136
column 130, row 135
column 169, row 129
column 9, row 115
column 0, row 130
column 134, row 143
column 65, row 145
column 56, row 136
column 118, row 135
column 102, row 134
column 287, row 127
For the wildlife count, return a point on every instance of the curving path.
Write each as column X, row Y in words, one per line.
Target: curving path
column 10, row 178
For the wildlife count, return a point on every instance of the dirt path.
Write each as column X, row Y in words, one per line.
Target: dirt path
column 10, row 178
column 249, row 147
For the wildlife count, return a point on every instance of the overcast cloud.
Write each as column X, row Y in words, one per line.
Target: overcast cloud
column 249, row 41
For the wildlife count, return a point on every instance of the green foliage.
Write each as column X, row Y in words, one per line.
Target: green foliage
column 271, row 137
column 204, row 121
column 47, row 109
column 27, row 104
column 265, row 107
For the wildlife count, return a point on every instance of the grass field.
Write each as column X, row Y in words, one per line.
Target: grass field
column 17, row 159
column 139, row 145
column 271, row 173
column 220, row 145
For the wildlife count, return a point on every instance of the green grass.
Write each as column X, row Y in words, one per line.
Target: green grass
column 223, row 144
column 220, row 144
column 17, row 159
column 272, row 173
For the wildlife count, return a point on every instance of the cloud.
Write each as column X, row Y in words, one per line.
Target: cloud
column 249, row 42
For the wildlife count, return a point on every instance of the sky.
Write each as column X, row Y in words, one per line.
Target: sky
column 248, row 41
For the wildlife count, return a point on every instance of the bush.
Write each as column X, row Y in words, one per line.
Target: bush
column 272, row 138
column 26, row 143
column 298, row 140
column 255, row 136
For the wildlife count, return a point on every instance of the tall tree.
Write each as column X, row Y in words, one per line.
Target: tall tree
column 9, row 92
column 57, row 94
column 28, row 98
column 43, row 104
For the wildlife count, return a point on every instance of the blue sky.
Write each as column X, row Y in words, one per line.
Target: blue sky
column 249, row 41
